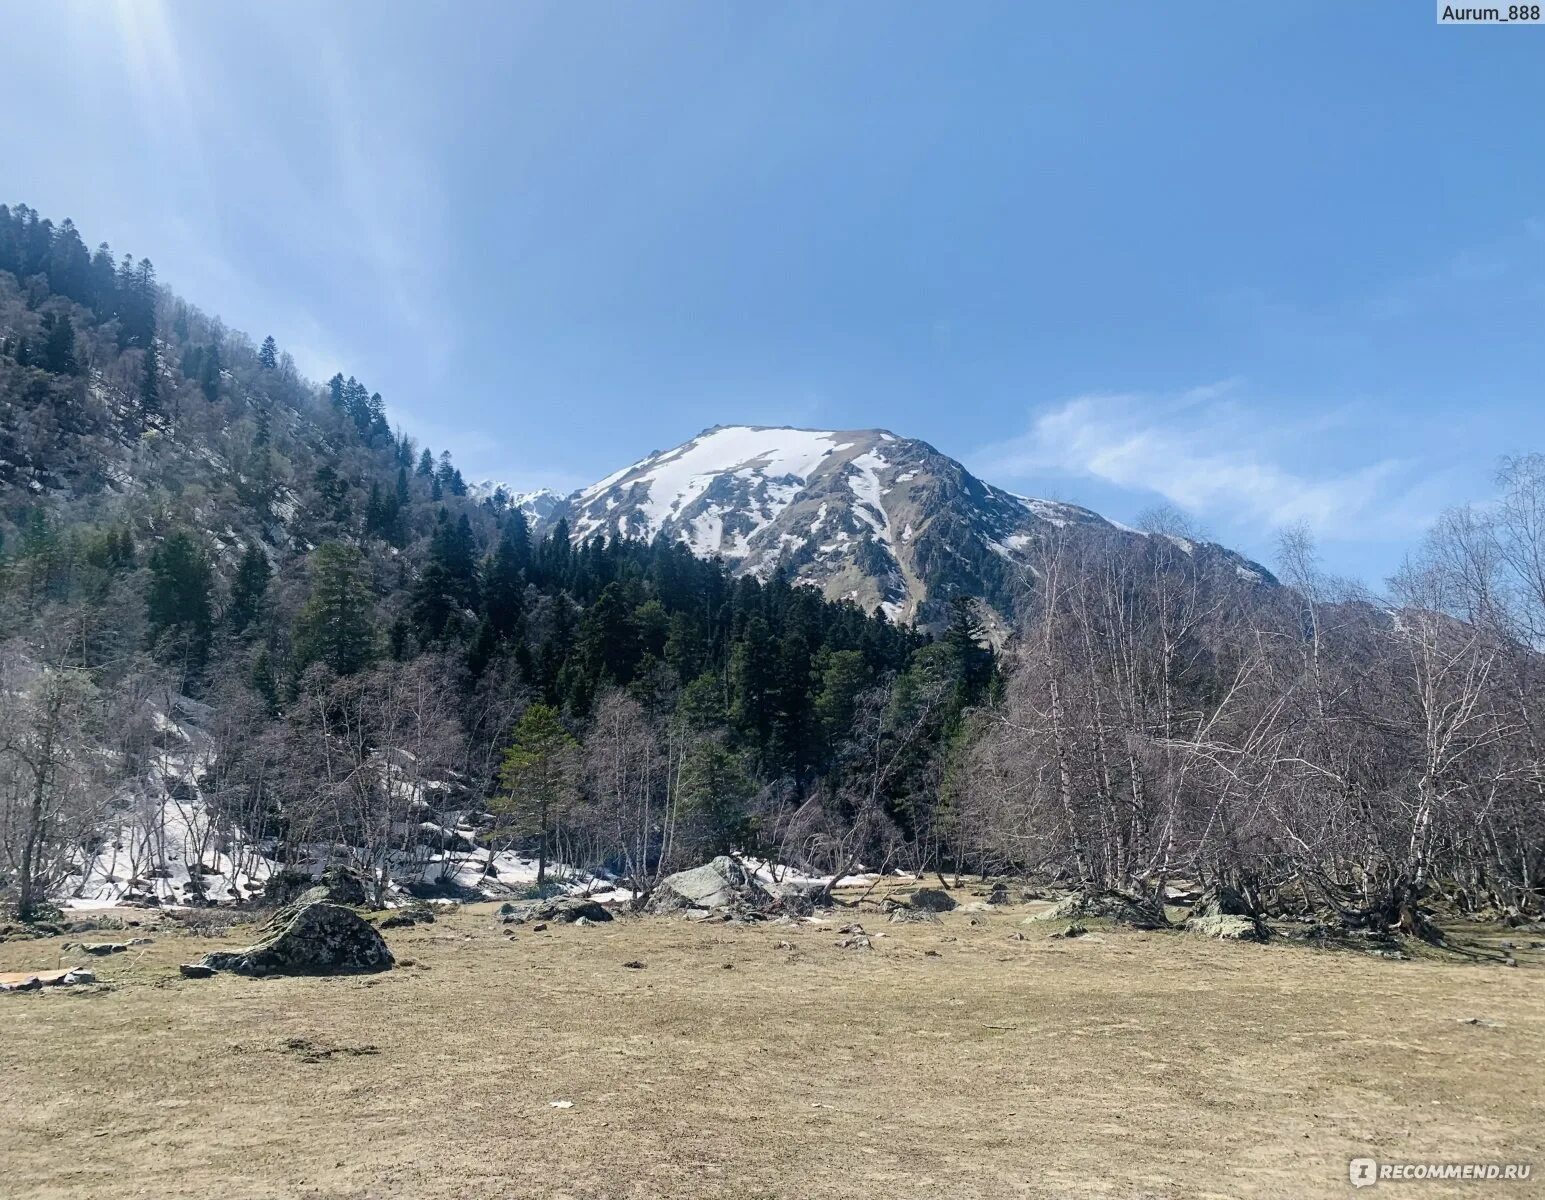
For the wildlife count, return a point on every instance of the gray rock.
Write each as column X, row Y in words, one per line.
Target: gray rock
column 934, row 900
column 196, row 971
column 562, row 910
column 337, row 885
column 1110, row 905
column 913, row 916
column 858, row 942
column 102, row 948
column 720, row 884
column 311, row 939
column 1228, row 926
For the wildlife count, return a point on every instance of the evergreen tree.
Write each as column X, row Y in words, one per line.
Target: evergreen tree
column 537, row 774
column 59, row 346
column 149, row 385
column 209, row 373
column 248, row 589
column 336, row 625
column 268, row 356
column 177, row 602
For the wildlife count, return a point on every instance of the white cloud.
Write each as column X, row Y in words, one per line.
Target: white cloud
column 1216, row 457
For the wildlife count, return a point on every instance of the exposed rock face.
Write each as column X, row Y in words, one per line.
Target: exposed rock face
column 1112, row 906
column 312, row 938
column 722, row 883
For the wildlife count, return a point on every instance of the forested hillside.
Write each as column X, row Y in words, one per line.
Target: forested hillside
column 246, row 624
column 191, row 527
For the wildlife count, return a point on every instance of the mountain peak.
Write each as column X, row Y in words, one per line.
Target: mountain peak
column 866, row 515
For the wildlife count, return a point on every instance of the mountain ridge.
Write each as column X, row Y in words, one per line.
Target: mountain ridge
column 867, row 515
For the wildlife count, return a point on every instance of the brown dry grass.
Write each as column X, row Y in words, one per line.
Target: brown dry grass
column 1121, row 1064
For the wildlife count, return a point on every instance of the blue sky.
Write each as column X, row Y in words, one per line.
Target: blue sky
column 1264, row 262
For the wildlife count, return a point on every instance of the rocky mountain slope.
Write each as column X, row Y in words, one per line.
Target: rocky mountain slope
column 864, row 514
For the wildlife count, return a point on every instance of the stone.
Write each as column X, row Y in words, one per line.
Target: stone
column 935, row 900
column 720, row 884
column 316, row 938
column 1229, row 927
column 912, row 916
column 855, row 943
column 102, row 948
column 336, row 885
column 562, row 910
column 397, row 921
column 999, row 894
column 1075, row 930
column 196, row 971
column 345, row 887
column 634, row 965
column 1110, row 905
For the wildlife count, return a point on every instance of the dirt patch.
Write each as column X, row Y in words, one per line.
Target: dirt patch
column 947, row 1060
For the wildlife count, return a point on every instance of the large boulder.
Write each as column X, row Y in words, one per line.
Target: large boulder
column 337, row 885
column 1110, row 905
column 931, row 899
column 720, row 884
column 561, row 910
column 314, row 938
column 1228, row 926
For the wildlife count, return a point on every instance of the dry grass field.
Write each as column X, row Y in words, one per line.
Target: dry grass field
column 951, row 1060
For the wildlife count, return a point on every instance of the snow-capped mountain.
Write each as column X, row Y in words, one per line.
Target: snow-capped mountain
column 864, row 514
column 538, row 506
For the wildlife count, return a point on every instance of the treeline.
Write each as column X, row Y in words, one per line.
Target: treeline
column 240, row 598
column 1319, row 751
column 184, row 516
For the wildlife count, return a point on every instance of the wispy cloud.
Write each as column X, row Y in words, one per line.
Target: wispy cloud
column 1216, row 456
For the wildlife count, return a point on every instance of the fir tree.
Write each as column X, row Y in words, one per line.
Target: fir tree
column 59, row 346
column 248, row 590
column 537, row 775
column 177, row 602
column 336, row 626
column 268, row 356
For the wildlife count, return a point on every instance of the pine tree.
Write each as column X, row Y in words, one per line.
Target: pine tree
column 537, row 775
column 59, row 346
column 336, row 625
column 268, row 356
column 149, row 385
column 426, row 464
column 209, row 372
column 177, row 601
column 248, row 589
